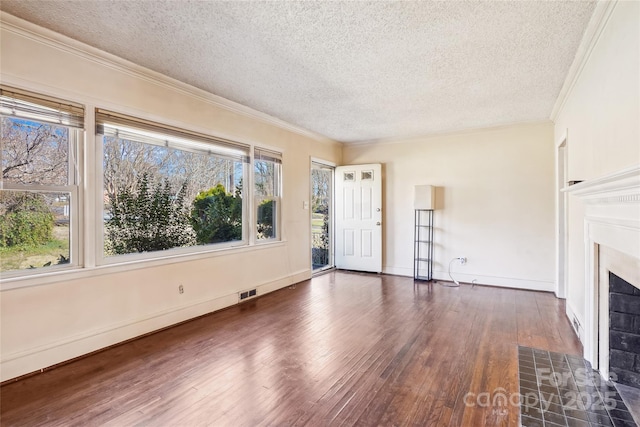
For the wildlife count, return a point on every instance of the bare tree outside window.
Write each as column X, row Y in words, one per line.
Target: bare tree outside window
column 148, row 186
column 34, row 224
column 34, row 153
column 126, row 162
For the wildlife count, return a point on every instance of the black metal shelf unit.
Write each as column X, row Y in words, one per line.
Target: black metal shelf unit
column 423, row 245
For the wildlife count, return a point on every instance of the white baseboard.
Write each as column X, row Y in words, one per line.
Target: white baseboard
column 509, row 282
column 397, row 271
column 284, row 282
column 571, row 315
column 44, row 356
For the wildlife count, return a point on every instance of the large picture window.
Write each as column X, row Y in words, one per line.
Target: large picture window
column 267, row 177
column 39, row 197
column 164, row 188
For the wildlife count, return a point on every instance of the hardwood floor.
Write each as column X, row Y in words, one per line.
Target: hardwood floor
column 341, row 349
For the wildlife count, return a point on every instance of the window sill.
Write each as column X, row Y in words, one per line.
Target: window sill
column 84, row 272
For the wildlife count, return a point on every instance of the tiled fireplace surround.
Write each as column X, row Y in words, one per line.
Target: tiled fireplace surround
column 624, row 332
column 612, row 238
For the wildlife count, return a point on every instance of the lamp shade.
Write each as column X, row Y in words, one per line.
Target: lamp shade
column 424, row 197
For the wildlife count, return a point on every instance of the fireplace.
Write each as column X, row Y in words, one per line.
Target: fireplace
column 624, row 332
column 612, row 256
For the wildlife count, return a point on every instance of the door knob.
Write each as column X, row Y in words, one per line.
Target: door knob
column 378, row 223
column 377, row 209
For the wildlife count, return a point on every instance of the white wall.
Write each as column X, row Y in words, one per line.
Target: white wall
column 61, row 317
column 601, row 116
column 495, row 202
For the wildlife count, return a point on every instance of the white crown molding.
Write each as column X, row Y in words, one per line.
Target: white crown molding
column 590, row 38
column 467, row 131
column 66, row 44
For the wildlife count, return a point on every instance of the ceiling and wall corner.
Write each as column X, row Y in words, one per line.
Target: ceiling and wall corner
column 351, row 71
column 592, row 33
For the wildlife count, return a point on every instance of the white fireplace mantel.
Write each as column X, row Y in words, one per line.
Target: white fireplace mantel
column 612, row 226
column 619, row 187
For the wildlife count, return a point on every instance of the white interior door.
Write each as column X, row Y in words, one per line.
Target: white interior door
column 358, row 211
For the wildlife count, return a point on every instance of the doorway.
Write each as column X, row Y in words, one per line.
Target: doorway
column 358, row 217
column 322, row 176
column 561, row 222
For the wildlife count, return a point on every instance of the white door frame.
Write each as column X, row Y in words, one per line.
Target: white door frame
column 561, row 216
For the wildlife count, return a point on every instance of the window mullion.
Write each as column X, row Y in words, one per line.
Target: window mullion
column 252, row 202
column 89, row 192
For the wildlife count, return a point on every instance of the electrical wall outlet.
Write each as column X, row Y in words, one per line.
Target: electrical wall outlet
column 463, row 260
column 181, row 289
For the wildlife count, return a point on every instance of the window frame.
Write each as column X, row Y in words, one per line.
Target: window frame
column 275, row 156
column 61, row 113
column 177, row 138
column 85, row 187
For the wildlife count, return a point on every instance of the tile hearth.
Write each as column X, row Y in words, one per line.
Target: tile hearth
column 563, row 390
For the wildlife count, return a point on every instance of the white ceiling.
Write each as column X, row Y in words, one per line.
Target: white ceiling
column 349, row 70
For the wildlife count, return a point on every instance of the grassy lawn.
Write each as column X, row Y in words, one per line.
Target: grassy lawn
column 316, row 222
column 22, row 257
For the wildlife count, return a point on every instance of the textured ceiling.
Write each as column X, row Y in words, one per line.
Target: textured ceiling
column 349, row 70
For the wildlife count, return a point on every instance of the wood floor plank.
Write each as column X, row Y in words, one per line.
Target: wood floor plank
column 344, row 349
